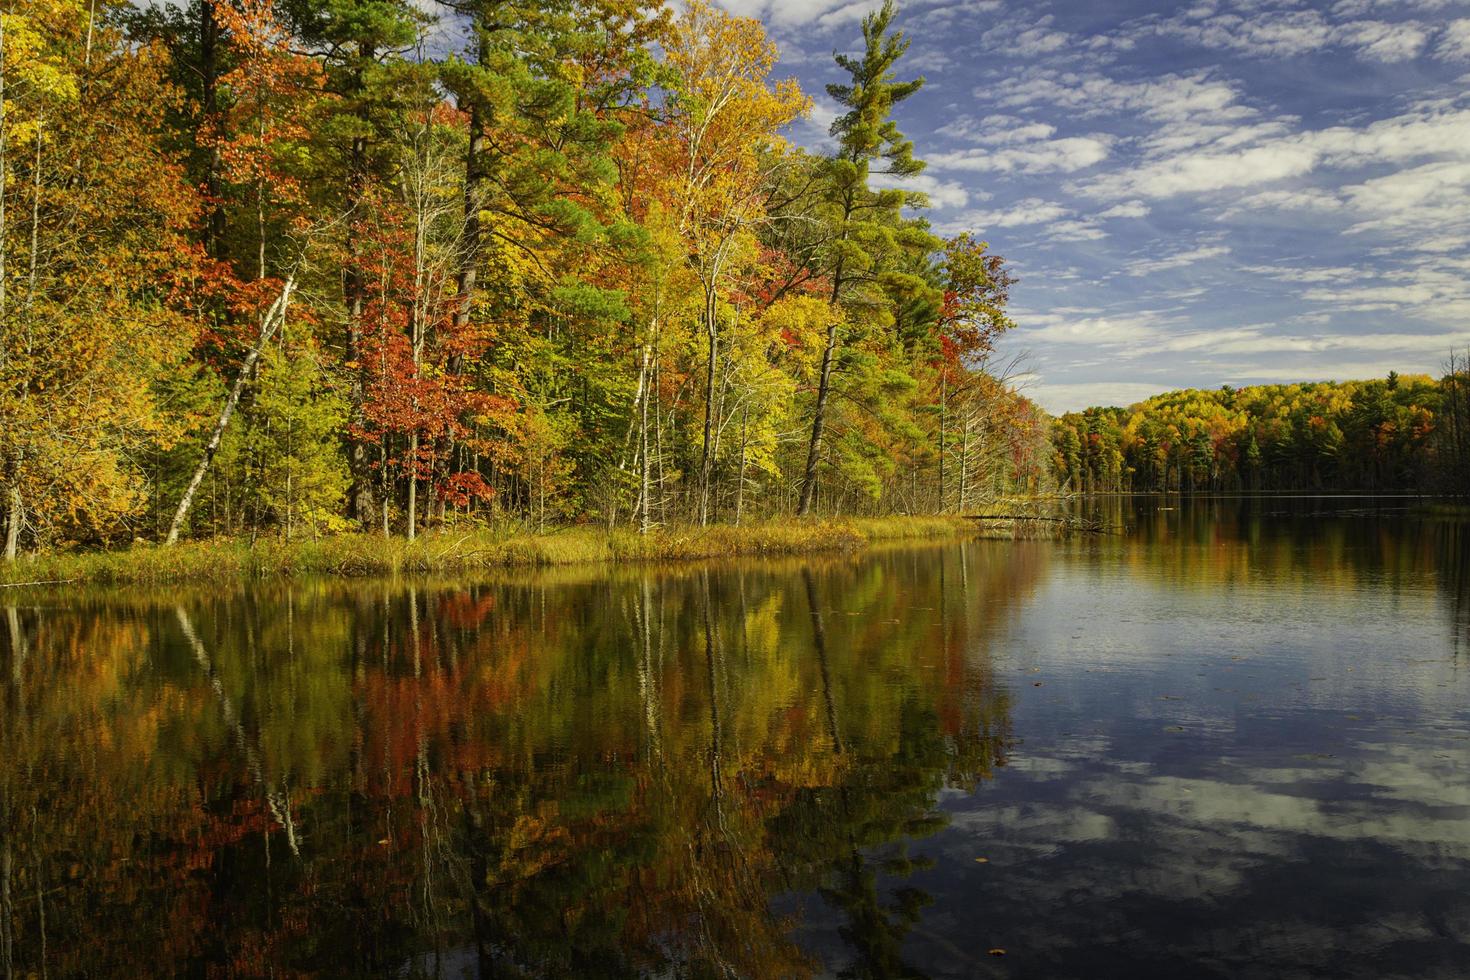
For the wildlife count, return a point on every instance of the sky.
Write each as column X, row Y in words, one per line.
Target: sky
column 1192, row 194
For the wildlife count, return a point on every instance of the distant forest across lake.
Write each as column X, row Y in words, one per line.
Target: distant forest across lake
column 1400, row 433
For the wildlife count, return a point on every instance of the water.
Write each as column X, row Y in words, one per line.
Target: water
column 1232, row 742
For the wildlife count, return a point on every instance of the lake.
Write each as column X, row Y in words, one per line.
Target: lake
column 1233, row 741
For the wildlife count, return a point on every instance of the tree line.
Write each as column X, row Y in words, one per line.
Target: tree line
column 300, row 267
column 1400, row 433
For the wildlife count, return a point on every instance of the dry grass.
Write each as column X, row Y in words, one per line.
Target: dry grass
column 234, row 559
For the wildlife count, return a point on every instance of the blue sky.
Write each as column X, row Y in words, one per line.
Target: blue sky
column 1193, row 194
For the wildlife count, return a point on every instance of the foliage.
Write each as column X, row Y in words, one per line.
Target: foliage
column 275, row 266
column 1356, row 435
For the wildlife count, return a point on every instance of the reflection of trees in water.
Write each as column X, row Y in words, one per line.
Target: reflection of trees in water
column 1452, row 546
column 1326, row 544
column 602, row 778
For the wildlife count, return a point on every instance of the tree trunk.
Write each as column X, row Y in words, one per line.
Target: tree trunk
column 943, row 409
column 965, row 466
column 645, row 496
column 706, row 463
column 16, row 509
column 819, row 421
column 824, row 384
column 273, row 318
column 740, row 486
column 474, row 188
column 413, row 484
column 214, row 221
column 354, row 288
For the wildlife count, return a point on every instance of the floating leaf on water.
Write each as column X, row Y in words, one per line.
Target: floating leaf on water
column 997, row 951
column 982, row 860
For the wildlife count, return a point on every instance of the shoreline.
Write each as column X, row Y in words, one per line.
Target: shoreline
column 450, row 550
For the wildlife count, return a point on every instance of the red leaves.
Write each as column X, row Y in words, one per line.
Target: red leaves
column 418, row 407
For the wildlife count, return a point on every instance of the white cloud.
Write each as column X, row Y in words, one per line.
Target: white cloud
column 1179, row 260
column 1074, row 231
column 1104, row 330
column 1304, row 199
column 1128, row 209
column 1284, row 30
column 1196, row 97
column 1425, row 133
column 1066, row 155
column 1031, row 211
column 839, row 13
column 1038, row 39
column 1060, row 398
column 1381, row 41
column 1454, row 43
column 997, row 130
column 1411, row 203
column 1310, row 275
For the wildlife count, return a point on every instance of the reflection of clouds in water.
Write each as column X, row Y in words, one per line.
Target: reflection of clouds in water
column 1244, row 761
column 1228, row 876
column 1078, row 849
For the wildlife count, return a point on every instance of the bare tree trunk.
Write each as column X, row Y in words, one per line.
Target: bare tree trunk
column 706, row 463
column 645, row 499
column 658, row 435
column 965, row 466
column 413, row 484
column 273, row 318
column 17, row 518
column 740, row 486
column 384, row 487
column 943, row 410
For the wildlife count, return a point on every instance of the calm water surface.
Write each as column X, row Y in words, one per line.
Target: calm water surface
column 1234, row 742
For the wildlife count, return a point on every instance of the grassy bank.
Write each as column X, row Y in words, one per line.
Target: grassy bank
column 233, row 559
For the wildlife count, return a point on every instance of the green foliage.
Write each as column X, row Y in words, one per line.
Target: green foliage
column 1356, row 435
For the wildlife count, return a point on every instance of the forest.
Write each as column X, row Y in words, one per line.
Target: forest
column 1408, row 433
column 304, row 267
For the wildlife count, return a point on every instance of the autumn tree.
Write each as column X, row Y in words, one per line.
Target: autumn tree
column 95, row 255
column 258, row 135
column 865, row 222
column 726, row 118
